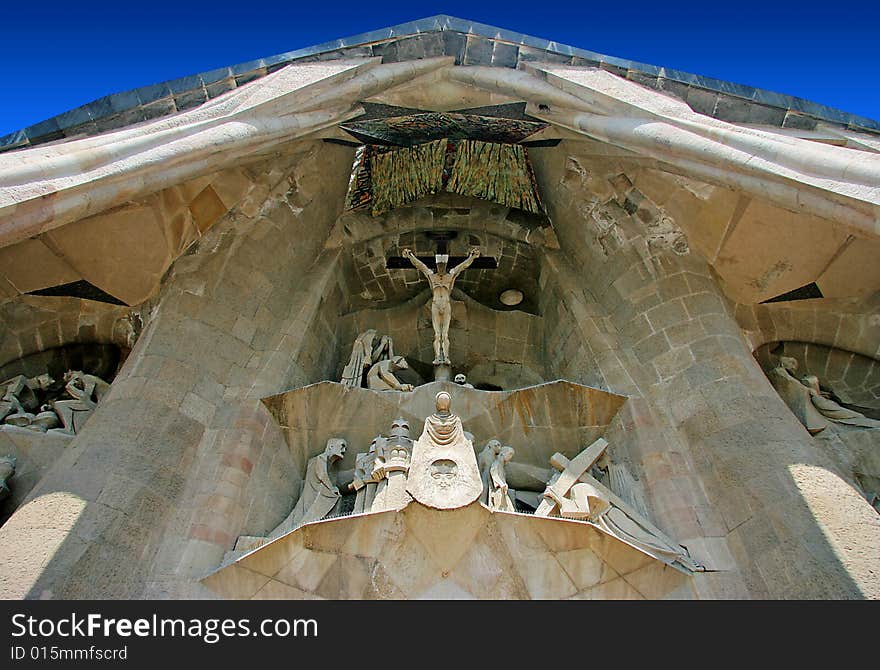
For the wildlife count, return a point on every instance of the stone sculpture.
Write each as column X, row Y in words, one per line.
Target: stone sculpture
column 320, row 495
column 796, row 395
column 366, row 479
column 441, row 283
column 572, row 493
column 381, row 375
column 831, row 410
column 20, row 406
column 498, row 494
column 19, row 403
column 444, row 472
column 368, row 349
column 622, row 483
column 86, row 392
column 45, row 420
column 392, row 465
column 461, row 380
column 17, row 395
column 491, row 461
column 813, row 408
column 484, row 463
column 7, row 470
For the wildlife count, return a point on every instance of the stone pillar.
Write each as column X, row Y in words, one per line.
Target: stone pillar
column 181, row 457
column 728, row 469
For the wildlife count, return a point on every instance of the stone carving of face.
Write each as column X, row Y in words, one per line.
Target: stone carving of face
column 335, row 448
column 442, row 260
column 506, row 454
column 444, row 402
column 399, row 363
column 788, row 363
column 460, row 378
column 444, row 472
column 494, row 445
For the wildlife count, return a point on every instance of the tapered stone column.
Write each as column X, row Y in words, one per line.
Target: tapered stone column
column 729, row 471
column 181, row 457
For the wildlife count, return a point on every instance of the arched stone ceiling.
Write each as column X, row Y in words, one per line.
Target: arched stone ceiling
column 473, row 223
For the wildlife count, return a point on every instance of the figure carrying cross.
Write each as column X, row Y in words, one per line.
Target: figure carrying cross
column 441, row 283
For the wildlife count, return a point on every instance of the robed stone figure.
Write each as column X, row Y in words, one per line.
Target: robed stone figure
column 444, row 472
column 368, row 349
column 320, row 494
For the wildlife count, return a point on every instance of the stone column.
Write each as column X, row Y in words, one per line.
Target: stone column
column 728, row 469
column 181, row 457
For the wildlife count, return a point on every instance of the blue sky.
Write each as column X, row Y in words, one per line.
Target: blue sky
column 58, row 57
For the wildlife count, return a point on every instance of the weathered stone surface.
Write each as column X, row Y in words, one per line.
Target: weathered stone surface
column 668, row 227
column 463, row 553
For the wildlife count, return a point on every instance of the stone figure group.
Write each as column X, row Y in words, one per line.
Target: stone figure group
column 442, row 470
column 373, row 364
column 66, row 413
column 492, row 461
column 381, row 472
column 615, row 504
column 369, row 348
column 573, row 493
column 813, row 408
column 379, row 479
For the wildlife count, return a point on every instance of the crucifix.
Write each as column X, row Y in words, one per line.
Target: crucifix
column 441, row 279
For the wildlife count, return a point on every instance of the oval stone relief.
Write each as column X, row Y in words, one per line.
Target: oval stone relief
column 444, row 472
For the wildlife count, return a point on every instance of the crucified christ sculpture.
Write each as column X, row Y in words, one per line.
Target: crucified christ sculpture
column 441, row 283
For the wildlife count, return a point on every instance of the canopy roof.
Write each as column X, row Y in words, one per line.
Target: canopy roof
column 780, row 196
column 470, row 43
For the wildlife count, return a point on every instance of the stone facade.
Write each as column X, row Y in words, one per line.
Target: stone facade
column 235, row 284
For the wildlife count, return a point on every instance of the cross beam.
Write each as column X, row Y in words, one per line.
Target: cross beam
column 401, row 263
column 577, row 470
column 573, row 471
column 441, row 238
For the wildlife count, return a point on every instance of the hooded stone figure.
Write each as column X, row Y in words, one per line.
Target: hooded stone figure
column 87, row 391
column 796, row 395
column 381, row 376
column 831, row 410
column 320, row 494
column 444, row 472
